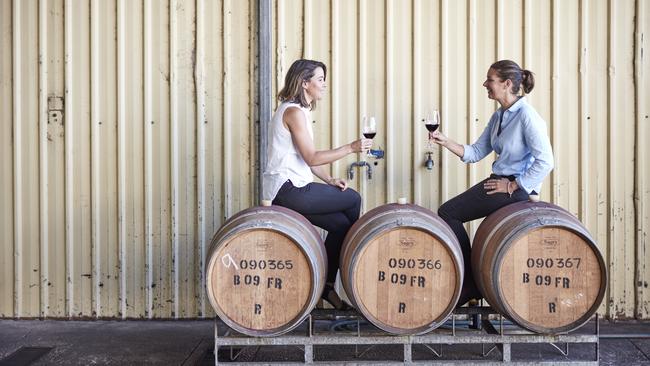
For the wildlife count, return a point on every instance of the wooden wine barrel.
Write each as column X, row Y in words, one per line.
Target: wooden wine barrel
column 537, row 265
column 266, row 270
column 402, row 268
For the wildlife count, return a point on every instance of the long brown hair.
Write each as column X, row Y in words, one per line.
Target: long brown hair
column 507, row 69
column 301, row 70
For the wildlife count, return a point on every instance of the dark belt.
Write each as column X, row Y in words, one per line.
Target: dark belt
column 509, row 177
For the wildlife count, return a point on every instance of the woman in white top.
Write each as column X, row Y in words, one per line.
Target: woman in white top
column 293, row 158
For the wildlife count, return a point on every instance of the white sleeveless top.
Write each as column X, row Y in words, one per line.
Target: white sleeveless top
column 283, row 160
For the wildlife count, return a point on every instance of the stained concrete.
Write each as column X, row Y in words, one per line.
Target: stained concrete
column 191, row 342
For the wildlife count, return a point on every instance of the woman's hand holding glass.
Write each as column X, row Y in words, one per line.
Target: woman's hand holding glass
column 361, row 145
column 438, row 138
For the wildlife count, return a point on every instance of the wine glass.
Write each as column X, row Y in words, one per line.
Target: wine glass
column 432, row 122
column 369, row 129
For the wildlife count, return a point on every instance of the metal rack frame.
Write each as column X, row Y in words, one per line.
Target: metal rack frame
column 485, row 334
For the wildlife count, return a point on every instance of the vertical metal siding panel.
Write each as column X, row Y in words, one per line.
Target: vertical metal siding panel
column 416, row 89
column 583, row 127
column 227, row 111
column 289, row 43
column 103, row 139
column 52, row 159
column 427, row 95
column 445, row 155
column 199, row 84
column 26, row 175
column 594, row 121
column 472, row 74
column 565, row 123
column 131, row 157
column 159, row 189
column 254, row 103
column 308, row 26
column 214, row 176
column 480, row 57
column 400, row 122
column 389, row 125
column 454, row 93
column 6, row 162
column 621, row 163
column 263, row 85
column 148, row 189
column 344, row 82
column 77, row 158
column 511, row 27
column 538, row 58
column 174, row 154
column 375, row 85
column 241, row 94
column 642, row 194
column 362, row 97
column 483, row 54
column 334, row 83
column 157, row 160
column 317, row 46
column 184, row 155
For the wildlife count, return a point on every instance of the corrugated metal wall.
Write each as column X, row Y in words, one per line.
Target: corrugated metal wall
column 126, row 137
column 127, row 129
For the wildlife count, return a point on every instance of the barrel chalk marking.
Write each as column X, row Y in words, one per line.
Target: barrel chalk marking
column 227, row 261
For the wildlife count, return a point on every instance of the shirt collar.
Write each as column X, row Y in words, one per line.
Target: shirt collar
column 518, row 104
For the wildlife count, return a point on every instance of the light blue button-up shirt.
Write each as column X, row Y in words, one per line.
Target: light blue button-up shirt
column 523, row 147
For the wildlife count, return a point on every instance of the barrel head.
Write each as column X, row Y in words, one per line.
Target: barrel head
column 550, row 279
column 405, row 281
column 259, row 281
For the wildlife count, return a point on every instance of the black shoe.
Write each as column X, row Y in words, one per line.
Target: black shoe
column 332, row 298
column 469, row 295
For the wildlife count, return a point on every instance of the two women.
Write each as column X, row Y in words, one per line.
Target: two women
column 515, row 132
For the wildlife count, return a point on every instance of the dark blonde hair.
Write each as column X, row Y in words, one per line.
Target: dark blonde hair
column 301, row 70
column 507, row 69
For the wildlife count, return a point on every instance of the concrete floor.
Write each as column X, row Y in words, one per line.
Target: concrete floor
column 190, row 342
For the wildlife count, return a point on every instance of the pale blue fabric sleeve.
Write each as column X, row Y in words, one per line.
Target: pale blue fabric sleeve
column 481, row 148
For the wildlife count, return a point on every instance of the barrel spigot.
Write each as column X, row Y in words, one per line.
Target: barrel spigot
column 360, row 164
column 429, row 162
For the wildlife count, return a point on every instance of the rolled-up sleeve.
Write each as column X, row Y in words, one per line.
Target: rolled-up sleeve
column 479, row 149
column 540, row 148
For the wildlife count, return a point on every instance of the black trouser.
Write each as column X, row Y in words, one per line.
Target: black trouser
column 327, row 207
column 471, row 205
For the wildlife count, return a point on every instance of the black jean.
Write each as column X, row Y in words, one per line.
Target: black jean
column 471, row 205
column 327, row 207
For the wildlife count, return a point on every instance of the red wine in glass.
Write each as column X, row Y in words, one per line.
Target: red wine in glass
column 432, row 123
column 369, row 129
column 432, row 127
column 369, row 135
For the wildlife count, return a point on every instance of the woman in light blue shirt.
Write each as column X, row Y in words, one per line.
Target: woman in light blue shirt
column 517, row 133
